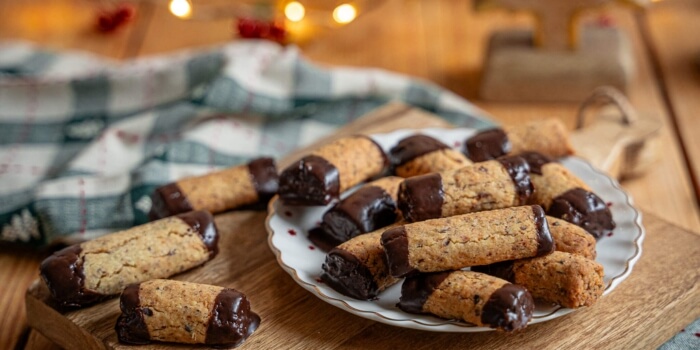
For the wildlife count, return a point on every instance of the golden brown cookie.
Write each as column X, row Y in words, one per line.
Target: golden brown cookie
column 566, row 279
column 563, row 195
column 494, row 184
column 570, row 238
column 422, row 154
column 476, row 298
column 370, row 208
column 218, row 191
column 184, row 312
column 357, row 269
column 548, row 137
column 330, row 170
column 466, row 240
column 88, row 272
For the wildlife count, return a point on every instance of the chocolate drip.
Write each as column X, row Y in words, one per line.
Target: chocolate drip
column 131, row 325
column 348, row 275
column 203, row 222
column 265, row 178
column 585, row 209
column 63, row 274
column 536, row 161
column 168, row 200
column 421, row 197
column 545, row 242
column 416, row 290
column 509, row 308
column 486, row 145
column 519, row 171
column 231, row 321
column 413, row 147
column 310, row 181
column 366, row 210
column 502, row 270
column 395, row 243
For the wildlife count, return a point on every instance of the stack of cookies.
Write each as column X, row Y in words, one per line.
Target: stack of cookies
column 475, row 234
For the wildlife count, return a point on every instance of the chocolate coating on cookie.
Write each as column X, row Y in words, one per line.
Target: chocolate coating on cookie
column 487, row 144
column 168, row 200
column 395, row 243
column 509, row 308
column 203, row 222
column 536, row 161
column 131, row 327
column 413, row 147
column 310, row 181
column 265, row 179
column 545, row 242
column 231, row 321
column 417, row 289
column 366, row 210
column 585, row 209
column 63, row 274
column 421, row 197
column 348, row 275
column 519, row 171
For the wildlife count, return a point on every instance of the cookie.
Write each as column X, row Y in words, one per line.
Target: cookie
column 494, row 184
column 566, row 279
column 328, row 171
column 218, row 191
column 357, row 268
column 88, row 272
column 547, row 136
column 476, row 298
column 563, row 195
column 422, row 154
column 466, row 240
column 183, row 312
column 570, row 238
column 371, row 207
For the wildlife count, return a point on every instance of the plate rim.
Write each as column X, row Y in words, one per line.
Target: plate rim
column 462, row 327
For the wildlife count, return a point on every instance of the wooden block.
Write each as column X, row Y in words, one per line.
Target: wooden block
column 516, row 71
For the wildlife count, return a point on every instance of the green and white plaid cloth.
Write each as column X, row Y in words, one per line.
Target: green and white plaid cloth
column 85, row 140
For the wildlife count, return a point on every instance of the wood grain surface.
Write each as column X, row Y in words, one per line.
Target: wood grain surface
column 441, row 41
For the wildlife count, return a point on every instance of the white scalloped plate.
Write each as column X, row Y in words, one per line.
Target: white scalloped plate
column 288, row 228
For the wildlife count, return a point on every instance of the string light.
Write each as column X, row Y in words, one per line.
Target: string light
column 180, row 8
column 344, row 13
column 294, row 11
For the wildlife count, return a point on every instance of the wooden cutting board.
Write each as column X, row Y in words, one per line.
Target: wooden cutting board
column 661, row 296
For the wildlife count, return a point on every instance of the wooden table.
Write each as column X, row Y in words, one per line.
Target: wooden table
column 438, row 40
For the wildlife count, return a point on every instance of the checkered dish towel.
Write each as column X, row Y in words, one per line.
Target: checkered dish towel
column 85, row 140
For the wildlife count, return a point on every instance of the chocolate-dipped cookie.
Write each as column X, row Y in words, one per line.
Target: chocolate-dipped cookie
column 328, row 171
column 567, row 279
column 563, row 195
column 357, row 268
column 218, row 191
column 184, row 312
column 88, row 272
column 476, row 298
column 422, row 154
column 494, row 184
column 371, row 207
column 467, row 240
column 547, row 136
